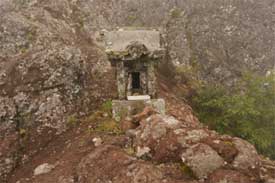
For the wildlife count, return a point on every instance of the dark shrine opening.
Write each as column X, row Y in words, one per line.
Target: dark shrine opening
column 135, row 80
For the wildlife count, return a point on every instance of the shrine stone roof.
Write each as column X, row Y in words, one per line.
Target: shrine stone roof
column 133, row 44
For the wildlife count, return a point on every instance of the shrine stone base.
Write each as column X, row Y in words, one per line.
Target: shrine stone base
column 128, row 108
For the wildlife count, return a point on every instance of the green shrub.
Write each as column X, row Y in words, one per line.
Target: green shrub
column 247, row 111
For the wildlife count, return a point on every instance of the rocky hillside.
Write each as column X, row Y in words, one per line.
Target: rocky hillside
column 54, row 73
column 147, row 148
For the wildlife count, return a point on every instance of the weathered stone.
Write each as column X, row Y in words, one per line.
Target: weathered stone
column 117, row 167
column 43, row 169
column 225, row 148
column 97, row 141
column 141, row 151
column 228, row 176
column 119, row 41
column 126, row 125
column 148, row 111
column 125, row 108
column 156, row 132
column 247, row 157
column 270, row 181
column 202, row 160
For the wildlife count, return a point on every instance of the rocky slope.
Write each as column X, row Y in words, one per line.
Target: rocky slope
column 53, row 72
column 151, row 148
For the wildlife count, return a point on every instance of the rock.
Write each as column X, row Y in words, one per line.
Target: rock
column 127, row 108
column 126, row 125
column 270, row 181
column 247, row 159
column 202, row 160
column 116, row 167
column 197, row 135
column 105, row 115
column 43, row 169
column 228, row 176
column 156, row 133
column 225, row 148
column 131, row 133
column 142, row 151
column 189, row 137
column 167, row 149
column 148, row 111
column 97, row 141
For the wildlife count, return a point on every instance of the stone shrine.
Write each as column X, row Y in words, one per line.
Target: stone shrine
column 134, row 54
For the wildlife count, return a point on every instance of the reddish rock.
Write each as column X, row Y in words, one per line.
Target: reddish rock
column 228, row 176
column 167, row 149
column 111, row 164
column 148, row 111
column 127, row 125
column 225, row 149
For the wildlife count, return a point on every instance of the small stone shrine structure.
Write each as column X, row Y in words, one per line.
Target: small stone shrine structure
column 134, row 54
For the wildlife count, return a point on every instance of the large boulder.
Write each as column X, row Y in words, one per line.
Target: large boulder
column 247, row 159
column 202, row 160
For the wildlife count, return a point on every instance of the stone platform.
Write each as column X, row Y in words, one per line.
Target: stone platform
column 127, row 108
